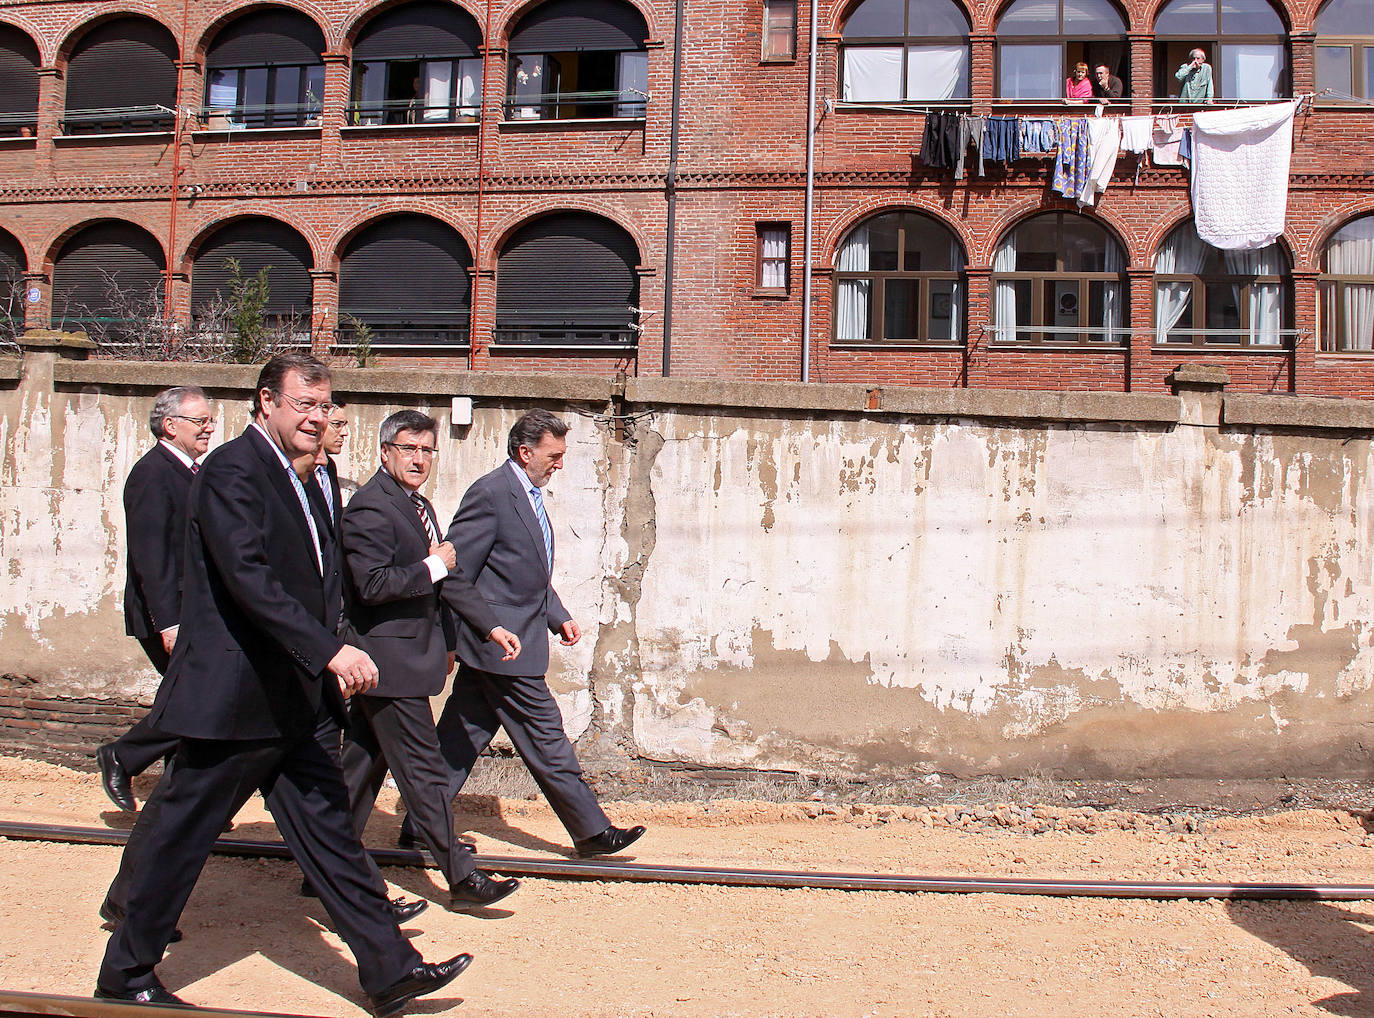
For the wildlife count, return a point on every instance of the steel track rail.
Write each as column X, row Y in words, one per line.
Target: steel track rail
column 14, row 1002
column 614, row 870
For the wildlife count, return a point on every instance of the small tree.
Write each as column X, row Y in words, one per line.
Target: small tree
column 361, row 347
column 247, row 306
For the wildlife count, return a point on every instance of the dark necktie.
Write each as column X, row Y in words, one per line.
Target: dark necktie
column 424, row 518
column 195, row 467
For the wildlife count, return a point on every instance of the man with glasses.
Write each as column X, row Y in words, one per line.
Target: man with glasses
column 405, row 598
column 258, row 669
column 155, row 496
column 333, row 443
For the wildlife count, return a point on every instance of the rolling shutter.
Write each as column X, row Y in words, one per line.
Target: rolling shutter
column 18, row 72
column 422, row 29
column 271, row 36
column 100, row 260
column 562, row 25
column 122, row 63
column 405, row 267
column 571, row 270
column 256, row 242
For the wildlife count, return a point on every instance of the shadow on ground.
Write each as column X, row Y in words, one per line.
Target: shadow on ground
column 1329, row 939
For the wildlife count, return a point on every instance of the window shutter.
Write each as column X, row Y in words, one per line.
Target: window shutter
column 256, row 242
column 563, row 25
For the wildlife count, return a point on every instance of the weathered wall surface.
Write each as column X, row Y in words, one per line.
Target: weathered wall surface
column 828, row 577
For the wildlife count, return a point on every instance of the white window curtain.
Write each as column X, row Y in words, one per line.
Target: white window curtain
column 1266, row 299
column 956, row 308
column 1351, row 253
column 1004, row 300
column 774, row 258
column 1113, row 306
column 1251, row 70
column 937, row 72
column 469, row 87
column 1181, row 255
column 854, row 295
column 438, row 89
column 634, row 83
column 873, row 74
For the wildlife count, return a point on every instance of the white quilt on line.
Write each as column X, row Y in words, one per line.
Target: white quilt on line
column 1240, row 174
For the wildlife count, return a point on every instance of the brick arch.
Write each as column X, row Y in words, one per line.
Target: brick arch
column 833, row 23
column 1321, row 236
column 206, row 227
column 55, row 241
column 498, row 237
column 361, row 13
column 45, row 46
column 400, row 206
column 25, row 244
column 234, row 9
column 840, row 228
column 72, row 32
column 517, row 9
column 1016, row 215
column 1182, row 213
column 1127, row 11
column 1153, row 11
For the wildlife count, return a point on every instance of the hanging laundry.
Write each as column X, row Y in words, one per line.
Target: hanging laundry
column 1071, row 166
column 1037, row 134
column 940, row 145
column 1137, row 134
column 1185, row 148
column 1240, row 174
column 1002, row 139
column 1104, row 142
column 970, row 131
column 1168, row 135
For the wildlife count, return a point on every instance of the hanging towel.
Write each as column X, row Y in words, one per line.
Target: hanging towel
column 1167, row 137
column 1071, row 166
column 1104, row 142
column 1136, row 134
column 1240, row 174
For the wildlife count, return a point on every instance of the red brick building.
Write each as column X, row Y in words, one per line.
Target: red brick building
column 549, row 185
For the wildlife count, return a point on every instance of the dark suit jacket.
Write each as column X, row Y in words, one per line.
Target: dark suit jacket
column 257, row 615
column 395, row 611
column 499, row 544
column 155, row 497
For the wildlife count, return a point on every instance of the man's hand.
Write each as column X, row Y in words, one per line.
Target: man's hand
column 169, row 638
column 571, row 633
column 507, row 641
column 446, row 554
column 354, row 669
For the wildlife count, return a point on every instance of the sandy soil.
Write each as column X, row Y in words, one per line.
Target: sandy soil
column 584, row 949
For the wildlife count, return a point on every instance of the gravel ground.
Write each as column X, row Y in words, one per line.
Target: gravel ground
column 585, row 949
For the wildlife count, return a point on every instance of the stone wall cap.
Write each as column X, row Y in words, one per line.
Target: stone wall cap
column 11, row 369
column 1311, row 412
column 1207, row 376
column 54, row 339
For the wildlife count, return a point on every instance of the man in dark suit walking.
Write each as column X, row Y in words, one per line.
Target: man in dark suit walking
column 505, row 543
column 403, row 596
column 257, row 670
column 155, row 495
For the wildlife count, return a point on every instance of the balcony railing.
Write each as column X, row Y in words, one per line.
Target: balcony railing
column 625, row 103
column 404, row 334
column 232, row 118
column 1261, row 340
column 603, row 332
column 15, row 125
column 374, row 113
column 119, row 120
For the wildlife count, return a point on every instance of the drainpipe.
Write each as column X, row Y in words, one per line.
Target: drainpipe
column 171, row 259
column 672, row 193
column 810, row 195
column 481, row 180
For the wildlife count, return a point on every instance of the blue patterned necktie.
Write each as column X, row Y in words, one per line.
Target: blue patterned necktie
column 543, row 518
column 322, row 477
column 309, row 517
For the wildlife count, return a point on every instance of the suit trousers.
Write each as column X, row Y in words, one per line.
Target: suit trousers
column 143, row 745
column 398, row 733
column 207, row 783
column 481, row 703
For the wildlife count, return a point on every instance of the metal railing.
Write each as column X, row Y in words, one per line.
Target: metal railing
column 628, row 103
column 1067, row 335
column 119, row 120
column 534, row 331
column 1229, row 338
column 376, row 113
column 231, row 118
column 403, row 335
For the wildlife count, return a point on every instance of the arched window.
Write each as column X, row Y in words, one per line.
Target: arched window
column 106, row 279
column 905, row 50
column 1204, row 295
column 12, row 284
column 1059, row 278
column 578, row 59
column 1244, row 41
column 899, row 278
column 1039, row 41
column 122, row 77
column 265, row 69
column 409, row 279
column 568, row 279
column 417, row 64
column 1345, row 49
column 1346, row 308
column 18, row 82
column 245, row 250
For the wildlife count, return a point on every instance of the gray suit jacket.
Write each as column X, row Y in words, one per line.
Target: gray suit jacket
column 499, row 544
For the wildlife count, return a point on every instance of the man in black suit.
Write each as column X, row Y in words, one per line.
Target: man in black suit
column 257, row 670
column 505, row 543
column 403, row 594
column 155, row 496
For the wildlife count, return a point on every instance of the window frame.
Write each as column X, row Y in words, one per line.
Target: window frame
column 271, row 113
column 1361, row 48
column 907, row 43
column 773, row 29
column 1196, row 331
column 391, row 112
column 1215, row 46
column 1063, row 41
column 761, row 261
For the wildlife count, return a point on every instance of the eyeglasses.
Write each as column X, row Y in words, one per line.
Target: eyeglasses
column 199, row 422
column 305, row 406
column 338, row 425
column 411, row 450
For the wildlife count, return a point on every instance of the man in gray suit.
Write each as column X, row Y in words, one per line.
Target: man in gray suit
column 505, row 544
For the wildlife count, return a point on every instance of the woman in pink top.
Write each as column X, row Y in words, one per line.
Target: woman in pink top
column 1077, row 87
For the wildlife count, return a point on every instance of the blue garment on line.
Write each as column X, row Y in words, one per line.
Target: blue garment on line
column 1075, row 155
column 1038, row 135
column 1185, row 147
column 1002, row 139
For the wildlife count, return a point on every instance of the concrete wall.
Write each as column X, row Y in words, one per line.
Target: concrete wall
column 828, row 577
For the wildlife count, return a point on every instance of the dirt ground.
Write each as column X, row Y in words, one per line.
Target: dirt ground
column 574, row 949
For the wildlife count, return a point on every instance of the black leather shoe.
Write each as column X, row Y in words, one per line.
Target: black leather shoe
column 612, row 839
column 423, row 978
column 404, row 910
column 114, row 915
column 152, row 995
column 406, row 838
column 116, row 781
column 479, row 889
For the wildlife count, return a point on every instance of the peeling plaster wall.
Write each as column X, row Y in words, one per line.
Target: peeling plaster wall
column 823, row 590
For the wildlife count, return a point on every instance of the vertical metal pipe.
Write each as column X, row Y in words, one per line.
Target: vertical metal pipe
column 171, row 260
column 810, row 193
column 670, row 239
column 482, row 128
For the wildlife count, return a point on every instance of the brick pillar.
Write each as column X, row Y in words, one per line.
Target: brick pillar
column 1303, row 359
column 52, row 85
column 650, row 343
column 1304, row 46
column 181, row 297
column 1142, row 71
column 337, row 86
column 483, row 315
column 979, row 326
column 1139, row 356
column 981, row 81
column 324, row 304
column 36, row 312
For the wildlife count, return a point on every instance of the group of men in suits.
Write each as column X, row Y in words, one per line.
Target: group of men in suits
column 290, row 619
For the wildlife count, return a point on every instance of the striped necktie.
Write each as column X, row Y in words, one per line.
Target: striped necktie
column 424, row 518
column 543, row 518
column 326, row 489
column 309, row 516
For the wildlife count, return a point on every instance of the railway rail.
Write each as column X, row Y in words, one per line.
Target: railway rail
column 619, row 870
